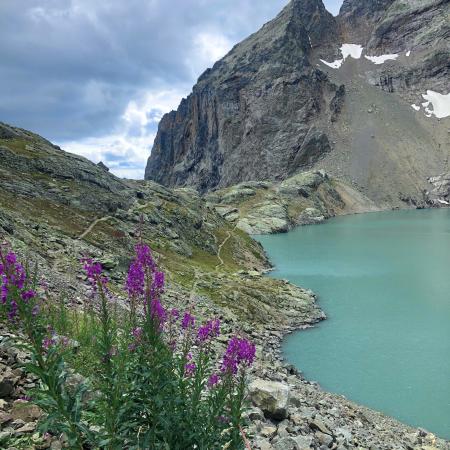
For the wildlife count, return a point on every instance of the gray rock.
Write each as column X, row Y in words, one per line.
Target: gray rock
column 286, row 443
column 255, row 414
column 6, row 388
column 271, row 397
column 303, row 442
column 317, row 424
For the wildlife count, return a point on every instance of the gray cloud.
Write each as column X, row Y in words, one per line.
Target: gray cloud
column 99, row 74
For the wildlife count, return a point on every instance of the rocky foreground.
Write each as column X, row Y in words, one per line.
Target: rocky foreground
column 56, row 207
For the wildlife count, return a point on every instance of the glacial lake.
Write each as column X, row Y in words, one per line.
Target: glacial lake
column 383, row 279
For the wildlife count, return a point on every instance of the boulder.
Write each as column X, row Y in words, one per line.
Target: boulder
column 237, row 194
column 26, row 411
column 271, row 397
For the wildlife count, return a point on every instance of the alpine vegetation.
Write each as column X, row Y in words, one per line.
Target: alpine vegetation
column 154, row 382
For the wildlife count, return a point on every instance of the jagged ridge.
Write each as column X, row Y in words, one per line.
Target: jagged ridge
column 270, row 108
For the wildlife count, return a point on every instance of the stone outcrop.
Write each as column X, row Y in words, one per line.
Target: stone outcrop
column 306, row 198
column 271, row 108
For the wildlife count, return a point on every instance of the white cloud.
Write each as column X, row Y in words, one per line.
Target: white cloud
column 101, row 76
column 126, row 150
column 209, row 47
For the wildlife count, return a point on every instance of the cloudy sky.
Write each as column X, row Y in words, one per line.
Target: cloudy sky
column 95, row 76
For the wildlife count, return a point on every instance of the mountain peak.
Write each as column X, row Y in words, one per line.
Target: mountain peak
column 317, row 20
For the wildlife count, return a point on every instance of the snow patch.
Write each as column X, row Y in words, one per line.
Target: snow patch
column 382, row 59
column 352, row 50
column 440, row 102
column 408, row 53
column 443, row 202
column 415, row 107
column 335, row 64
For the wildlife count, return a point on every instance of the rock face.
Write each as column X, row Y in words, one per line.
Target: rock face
column 260, row 103
column 272, row 108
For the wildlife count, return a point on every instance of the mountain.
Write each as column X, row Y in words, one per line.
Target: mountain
column 362, row 96
column 56, row 208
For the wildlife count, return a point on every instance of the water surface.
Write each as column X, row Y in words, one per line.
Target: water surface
column 383, row 280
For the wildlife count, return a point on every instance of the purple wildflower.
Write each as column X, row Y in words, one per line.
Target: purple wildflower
column 213, row 380
column 4, row 290
column 27, row 295
column 94, row 273
column 11, row 259
column 189, row 369
column 175, row 314
column 208, row 331
column 13, row 308
column 132, row 347
column 143, row 270
column 13, row 273
column 188, row 321
column 158, row 283
column 135, row 280
column 144, row 256
column 239, row 352
column 92, row 269
column 158, row 312
column 137, row 333
column 48, row 342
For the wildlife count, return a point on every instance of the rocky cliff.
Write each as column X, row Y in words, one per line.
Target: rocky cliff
column 295, row 96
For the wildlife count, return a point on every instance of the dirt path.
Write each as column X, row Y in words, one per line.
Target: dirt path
column 219, row 249
column 92, row 225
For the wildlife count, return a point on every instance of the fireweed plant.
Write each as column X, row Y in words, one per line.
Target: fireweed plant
column 155, row 384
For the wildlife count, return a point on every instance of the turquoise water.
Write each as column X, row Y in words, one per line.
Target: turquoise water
column 383, row 280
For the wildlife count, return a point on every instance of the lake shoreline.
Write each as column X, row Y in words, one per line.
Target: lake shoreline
column 406, row 435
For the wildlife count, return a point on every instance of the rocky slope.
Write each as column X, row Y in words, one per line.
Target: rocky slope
column 291, row 97
column 56, row 207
